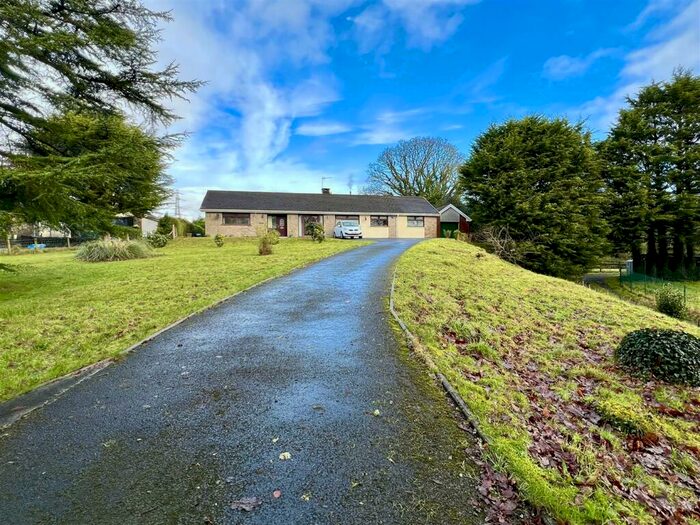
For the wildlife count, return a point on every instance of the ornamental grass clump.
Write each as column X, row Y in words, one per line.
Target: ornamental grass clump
column 104, row 250
column 669, row 355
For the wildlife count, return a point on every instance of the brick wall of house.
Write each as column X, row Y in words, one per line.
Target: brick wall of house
column 213, row 225
column 431, row 227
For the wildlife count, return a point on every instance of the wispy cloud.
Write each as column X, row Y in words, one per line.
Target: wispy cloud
column 322, row 128
column 424, row 23
column 565, row 66
column 667, row 48
column 390, row 126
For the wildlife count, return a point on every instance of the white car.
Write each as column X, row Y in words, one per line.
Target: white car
column 347, row 230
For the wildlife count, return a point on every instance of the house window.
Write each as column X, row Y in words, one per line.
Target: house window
column 355, row 218
column 236, row 219
column 309, row 219
column 378, row 220
column 415, row 222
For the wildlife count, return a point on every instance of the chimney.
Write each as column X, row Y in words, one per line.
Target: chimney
column 326, row 191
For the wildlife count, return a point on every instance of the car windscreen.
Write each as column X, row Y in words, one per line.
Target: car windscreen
column 349, row 223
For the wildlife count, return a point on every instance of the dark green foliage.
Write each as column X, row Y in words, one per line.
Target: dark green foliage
column 82, row 54
column 652, row 170
column 125, row 232
column 197, row 228
column 219, row 240
column 67, row 68
column 157, row 240
column 316, row 231
column 166, row 223
column 539, row 180
column 113, row 250
column 670, row 301
column 7, row 268
column 668, row 355
column 97, row 167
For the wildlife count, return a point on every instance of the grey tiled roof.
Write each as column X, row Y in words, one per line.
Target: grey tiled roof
column 216, row 200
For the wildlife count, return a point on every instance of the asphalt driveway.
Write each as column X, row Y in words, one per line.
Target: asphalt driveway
column 306, row 364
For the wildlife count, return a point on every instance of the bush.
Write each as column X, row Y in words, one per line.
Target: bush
column 157, row 240
column 197, row 228
column 316, row 231
column 273, row 237
column 461, row 236
column 113, row 250
column 219, row 240
column 670, row 301
column 668, row 355
column 447, row 234
column 125, row 232
column 265, row 242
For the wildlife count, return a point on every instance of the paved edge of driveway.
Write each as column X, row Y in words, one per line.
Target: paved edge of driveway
column 14, row 409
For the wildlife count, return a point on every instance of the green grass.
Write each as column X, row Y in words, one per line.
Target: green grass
column 532, row 356
column 637, row 293
column 58, row 314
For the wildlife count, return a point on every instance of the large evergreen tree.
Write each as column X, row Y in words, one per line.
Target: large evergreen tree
column 98, row 165
column 539, row 180
column 79, row 64
column 652, row 169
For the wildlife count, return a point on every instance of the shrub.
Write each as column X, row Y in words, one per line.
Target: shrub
column 113, row 250
column 461, row 236
column 670, row 301
column 668, row 355
column 265, row 242
column 156, row 240
column 316, row 231
column 447, row 234
column 219, row 240
column 273, row 237
column 125, row 232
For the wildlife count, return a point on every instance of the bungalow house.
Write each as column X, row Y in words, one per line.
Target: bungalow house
column 243, row 213
column 453, row 219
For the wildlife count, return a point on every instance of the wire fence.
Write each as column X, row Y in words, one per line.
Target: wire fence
column 646, row 285
column 26, row 243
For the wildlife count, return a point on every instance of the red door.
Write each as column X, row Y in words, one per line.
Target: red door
column 279, row 222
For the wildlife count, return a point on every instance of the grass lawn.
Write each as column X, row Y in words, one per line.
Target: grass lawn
column 638, row 293
column 58, row 314
column 532, row 357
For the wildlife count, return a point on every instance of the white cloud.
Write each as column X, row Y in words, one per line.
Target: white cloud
column 565, row 66
column 425, row 23
column 669, row 46
column 321, row 128
column 389, row 127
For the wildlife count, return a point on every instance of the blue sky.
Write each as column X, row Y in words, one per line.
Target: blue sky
column 302, row 89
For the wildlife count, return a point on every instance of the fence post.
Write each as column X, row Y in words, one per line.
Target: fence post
column 9, row 244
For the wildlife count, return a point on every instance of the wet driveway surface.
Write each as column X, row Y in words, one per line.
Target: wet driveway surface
column 196, row 419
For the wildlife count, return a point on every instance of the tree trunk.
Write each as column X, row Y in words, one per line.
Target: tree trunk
column 678, row 259
column 651, row 251
column 662, row 255
column 9, row 244
column 637, row 263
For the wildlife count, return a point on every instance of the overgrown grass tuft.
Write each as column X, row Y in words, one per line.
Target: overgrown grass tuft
column 533, row 357
column 105, row 250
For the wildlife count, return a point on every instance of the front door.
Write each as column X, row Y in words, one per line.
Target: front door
column 279, row 223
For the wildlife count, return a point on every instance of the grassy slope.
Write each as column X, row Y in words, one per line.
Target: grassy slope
column 532, row 357
column 58, row 314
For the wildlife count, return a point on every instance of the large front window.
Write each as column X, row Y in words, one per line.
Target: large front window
column 351, row 218
column 236, row 219
column 378, row 220
column 415, row 222
column 309, row 219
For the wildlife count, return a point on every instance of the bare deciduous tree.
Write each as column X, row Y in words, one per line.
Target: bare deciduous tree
column 424, row 166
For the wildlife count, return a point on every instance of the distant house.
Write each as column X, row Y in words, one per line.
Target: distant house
column 453, row 219
column 243, row 213
column 147, row 224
